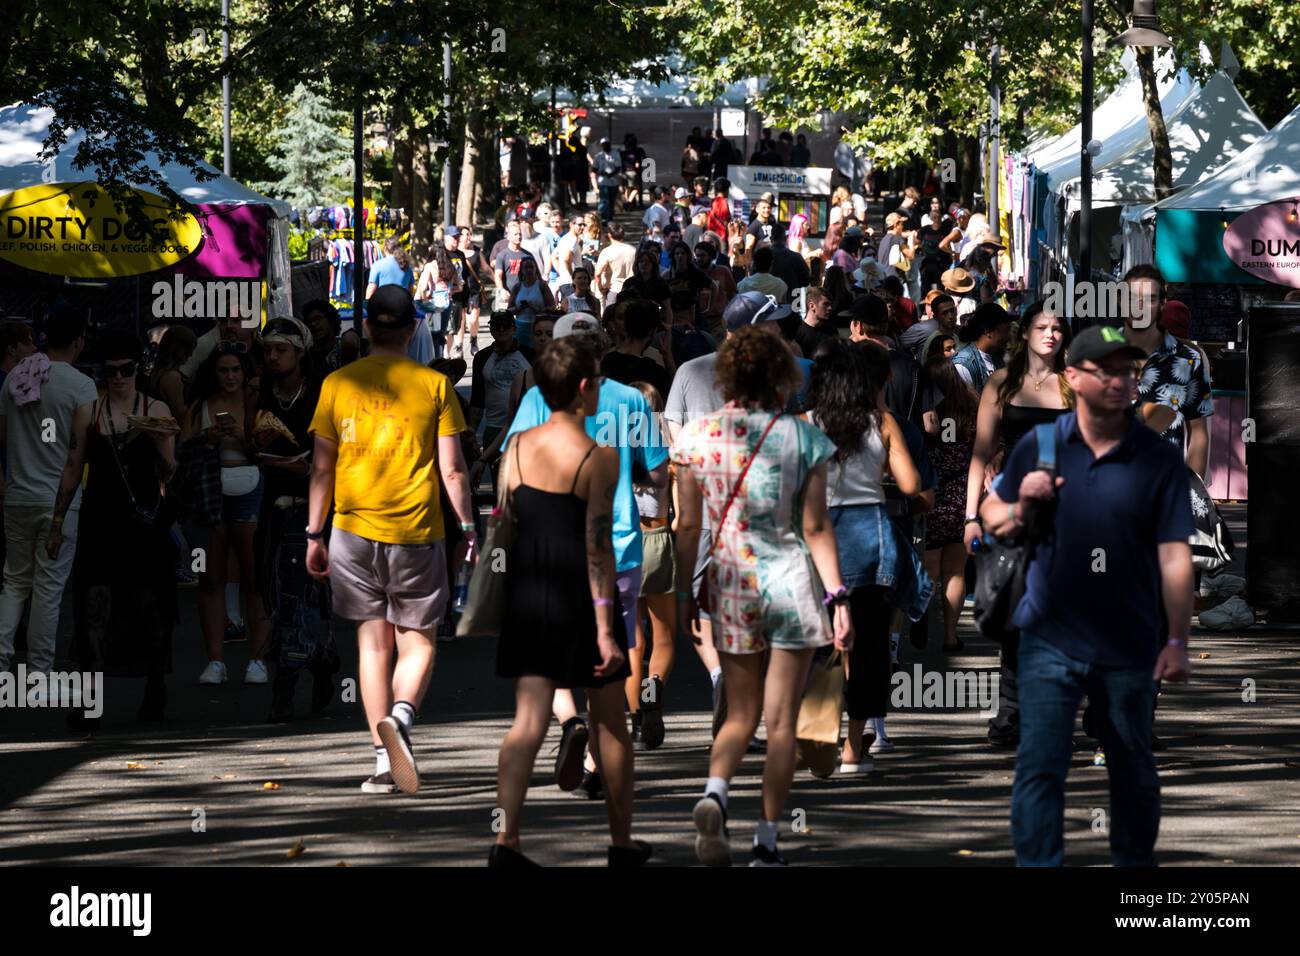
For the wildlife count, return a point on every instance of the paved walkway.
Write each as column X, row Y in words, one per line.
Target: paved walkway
column 1231, row 786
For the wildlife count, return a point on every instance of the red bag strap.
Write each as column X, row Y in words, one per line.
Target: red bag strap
column 740, row 481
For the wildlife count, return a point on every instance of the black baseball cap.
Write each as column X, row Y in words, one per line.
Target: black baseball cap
column 751, row 308
column 1097, row 342
column 869, row 310
column 393, row 303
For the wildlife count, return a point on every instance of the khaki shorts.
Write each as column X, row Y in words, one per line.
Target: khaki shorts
column 657, row 563
column 404, row 584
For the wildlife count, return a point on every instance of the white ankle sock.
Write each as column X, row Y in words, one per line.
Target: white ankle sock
column 766, row 835
column 718, row 787
column 381, row 761
column 404, row 714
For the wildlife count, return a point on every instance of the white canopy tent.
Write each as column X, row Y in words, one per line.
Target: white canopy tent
column 672, row 93
column 1206, row 131
column 1267, row 170
column 23, row 129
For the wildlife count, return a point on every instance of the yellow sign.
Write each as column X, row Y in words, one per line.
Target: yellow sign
column 76, row 229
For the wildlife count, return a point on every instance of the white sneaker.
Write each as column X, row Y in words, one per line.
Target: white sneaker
column 255, row 673
column 882, row 745
column 865, row 765
column 1222, row 585
column 214, row 673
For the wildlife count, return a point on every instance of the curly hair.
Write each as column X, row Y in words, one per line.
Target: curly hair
column 755, row 369
column 843, row 397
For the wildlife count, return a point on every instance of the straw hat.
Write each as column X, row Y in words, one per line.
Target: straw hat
column 957, row 280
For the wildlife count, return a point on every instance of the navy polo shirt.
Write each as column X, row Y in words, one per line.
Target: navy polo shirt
column 1115, row 509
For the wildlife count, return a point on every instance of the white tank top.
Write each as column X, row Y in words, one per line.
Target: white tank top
column 856, row 480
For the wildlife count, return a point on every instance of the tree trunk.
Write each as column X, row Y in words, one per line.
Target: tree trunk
column 970, row 169
column 403, row 157
column 422, row 195
column 1163, row 159
column 469, row 164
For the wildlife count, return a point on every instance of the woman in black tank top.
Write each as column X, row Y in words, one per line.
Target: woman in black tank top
column 1030, row 391
column 563, row 625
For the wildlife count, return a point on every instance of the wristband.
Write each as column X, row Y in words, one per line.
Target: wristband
column 467, row 527
column 1177, row 642
column 315, row 535
column 1011, row 513
column 837, row 597
column 602, row 602
column 971, row 520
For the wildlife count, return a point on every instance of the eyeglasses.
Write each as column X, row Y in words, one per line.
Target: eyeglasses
column 1104, row 376
column 125, row 370
column 232, row 348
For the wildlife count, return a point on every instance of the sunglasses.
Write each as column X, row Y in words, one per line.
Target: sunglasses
column 125, row 370
column 232, row 348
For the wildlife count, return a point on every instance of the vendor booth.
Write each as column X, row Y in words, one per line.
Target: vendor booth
column 63, row 239
column 803, row 189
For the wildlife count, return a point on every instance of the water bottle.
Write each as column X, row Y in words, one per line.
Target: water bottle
column 976, row 545
column 461, row 593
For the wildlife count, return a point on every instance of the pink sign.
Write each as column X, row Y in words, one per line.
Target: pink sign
column 1265, row 242
column 234, row 244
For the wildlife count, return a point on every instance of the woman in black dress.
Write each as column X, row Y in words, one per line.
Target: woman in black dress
column 124, row 571
column 562, row 563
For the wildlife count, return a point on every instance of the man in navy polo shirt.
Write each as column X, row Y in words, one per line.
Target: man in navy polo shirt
column 1108, row 600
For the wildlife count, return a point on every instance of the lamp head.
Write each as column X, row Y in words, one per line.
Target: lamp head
column 1144, row 28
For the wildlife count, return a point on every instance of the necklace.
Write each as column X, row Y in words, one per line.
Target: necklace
column 285, row 406
column 1039, row 384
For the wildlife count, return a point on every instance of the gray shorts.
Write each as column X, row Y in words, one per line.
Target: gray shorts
column 404, row 584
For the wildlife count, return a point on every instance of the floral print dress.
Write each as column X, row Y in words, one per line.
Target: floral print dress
column 765, row 591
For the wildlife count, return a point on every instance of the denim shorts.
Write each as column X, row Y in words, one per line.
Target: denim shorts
column 244, row 508
column 872, row 551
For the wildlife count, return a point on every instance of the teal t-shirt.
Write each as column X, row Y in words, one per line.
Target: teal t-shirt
column 624, row 421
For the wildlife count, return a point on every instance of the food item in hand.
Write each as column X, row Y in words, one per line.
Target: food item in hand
column 163, row 423
column 267, row 425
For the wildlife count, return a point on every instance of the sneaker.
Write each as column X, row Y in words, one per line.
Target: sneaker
column 398, row 744
column 712, row 841
column 573, row 744
column 1233, row 614
column 455, row 350
column 881, row 745
column 756, row 746
column 185, row 578
column 214, row 673
column 255, row 673
column 473, row 347
column 1222, row 585
column 652, row 716
column 864, row 766
column 235, row 633
column 638, row 740
column 762, row 856
column 379, row 783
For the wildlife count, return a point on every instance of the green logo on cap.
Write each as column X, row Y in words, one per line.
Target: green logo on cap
column 1111, row 334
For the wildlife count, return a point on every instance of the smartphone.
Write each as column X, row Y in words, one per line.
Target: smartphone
column 225, row 419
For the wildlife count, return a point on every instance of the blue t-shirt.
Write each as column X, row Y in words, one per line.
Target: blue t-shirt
column 387, row 272
column 1112, row 513
column 623, row 420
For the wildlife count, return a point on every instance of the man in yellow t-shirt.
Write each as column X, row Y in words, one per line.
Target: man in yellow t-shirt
column 386, row 430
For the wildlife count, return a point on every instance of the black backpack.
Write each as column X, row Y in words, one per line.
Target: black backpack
column 1001, row 567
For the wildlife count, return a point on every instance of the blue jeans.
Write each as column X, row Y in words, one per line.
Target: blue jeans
column 608, row 196
column 1051, row 685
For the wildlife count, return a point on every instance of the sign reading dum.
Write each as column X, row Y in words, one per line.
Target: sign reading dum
column 1266, row 242
column 76, row 229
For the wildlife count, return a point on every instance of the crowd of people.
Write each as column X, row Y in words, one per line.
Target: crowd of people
column 708, row 432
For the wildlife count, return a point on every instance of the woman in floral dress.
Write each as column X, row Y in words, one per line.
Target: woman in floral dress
column 774, row 573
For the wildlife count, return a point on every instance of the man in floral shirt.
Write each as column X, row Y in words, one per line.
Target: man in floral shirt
column 1174, row 390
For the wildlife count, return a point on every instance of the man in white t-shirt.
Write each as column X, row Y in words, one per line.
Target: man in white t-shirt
column 492, row 374
column 46, row 409
column 568, row 253
column 657, row 216
column 614, row 265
